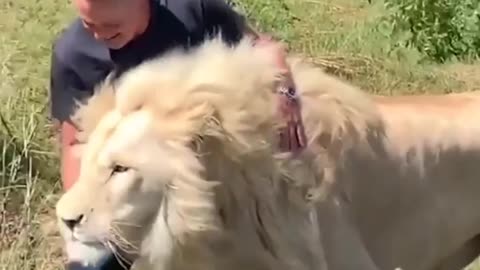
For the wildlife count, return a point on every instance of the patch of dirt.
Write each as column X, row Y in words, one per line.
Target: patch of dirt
column 10, row 227
column 30, row 244
column 51, row 240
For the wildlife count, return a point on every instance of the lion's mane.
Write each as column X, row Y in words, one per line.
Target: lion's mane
column 221, row 102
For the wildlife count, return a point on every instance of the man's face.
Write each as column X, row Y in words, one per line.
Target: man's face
column 114, row 22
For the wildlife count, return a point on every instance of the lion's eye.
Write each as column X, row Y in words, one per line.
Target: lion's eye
column 119, row 169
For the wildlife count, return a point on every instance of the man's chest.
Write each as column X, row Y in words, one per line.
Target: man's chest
column 167, row 33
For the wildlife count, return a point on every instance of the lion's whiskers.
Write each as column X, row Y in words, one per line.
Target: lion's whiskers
column 121, row 259
column 120, row 241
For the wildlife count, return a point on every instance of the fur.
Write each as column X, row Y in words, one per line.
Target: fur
column 202, row 129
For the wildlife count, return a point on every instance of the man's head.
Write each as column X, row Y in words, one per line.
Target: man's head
column 114, row 22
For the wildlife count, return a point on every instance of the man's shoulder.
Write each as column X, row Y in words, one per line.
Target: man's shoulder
column 75, row 45
column 209, row 17
column 192, row 5
column 189, row 12
column 201, row 11
column 195, row 4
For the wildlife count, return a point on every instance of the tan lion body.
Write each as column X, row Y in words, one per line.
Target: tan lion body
column 384, row 183
column 417, row 204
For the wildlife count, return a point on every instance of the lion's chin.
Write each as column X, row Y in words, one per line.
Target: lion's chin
column 88, row 255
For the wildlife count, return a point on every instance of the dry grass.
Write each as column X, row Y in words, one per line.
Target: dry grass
column 337, row 34
column 28, row 164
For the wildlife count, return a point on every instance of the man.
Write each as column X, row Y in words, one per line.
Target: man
column 114, row 35
column 111, row 36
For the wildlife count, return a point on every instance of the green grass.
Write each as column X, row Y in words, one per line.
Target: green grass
column 341, row 35
column 345, row 37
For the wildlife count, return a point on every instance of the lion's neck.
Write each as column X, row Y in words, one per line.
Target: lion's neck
column 167, row 248
column 264, row 215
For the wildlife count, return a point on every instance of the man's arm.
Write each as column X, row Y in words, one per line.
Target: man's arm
column 63, row 82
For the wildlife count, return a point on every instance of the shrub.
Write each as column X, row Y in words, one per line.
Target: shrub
column 440, row 29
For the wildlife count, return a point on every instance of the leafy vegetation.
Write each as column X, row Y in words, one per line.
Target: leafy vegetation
column 440, row 29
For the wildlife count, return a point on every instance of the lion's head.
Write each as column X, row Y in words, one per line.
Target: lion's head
column 121, row 184
column 161, row 142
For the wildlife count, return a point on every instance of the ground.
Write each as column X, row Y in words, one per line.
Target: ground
column 340, row 35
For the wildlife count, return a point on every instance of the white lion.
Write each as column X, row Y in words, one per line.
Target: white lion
column 180, row 170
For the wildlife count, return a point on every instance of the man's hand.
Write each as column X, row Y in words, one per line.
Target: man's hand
column 277, row 48
column 265, row 40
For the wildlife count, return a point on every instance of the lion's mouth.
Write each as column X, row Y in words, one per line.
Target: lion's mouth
column 109, row 262
column 85, row 251
column 90, row 254
column 96, row 254
column 86, row 240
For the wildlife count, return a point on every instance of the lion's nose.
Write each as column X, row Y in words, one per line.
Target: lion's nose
column 72, row 222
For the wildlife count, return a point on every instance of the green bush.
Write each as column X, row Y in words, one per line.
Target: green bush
column 439, row 29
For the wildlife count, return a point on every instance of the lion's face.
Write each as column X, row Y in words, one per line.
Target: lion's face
column 123, row 175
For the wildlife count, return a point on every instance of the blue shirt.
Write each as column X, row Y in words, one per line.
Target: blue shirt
column 79, row 61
